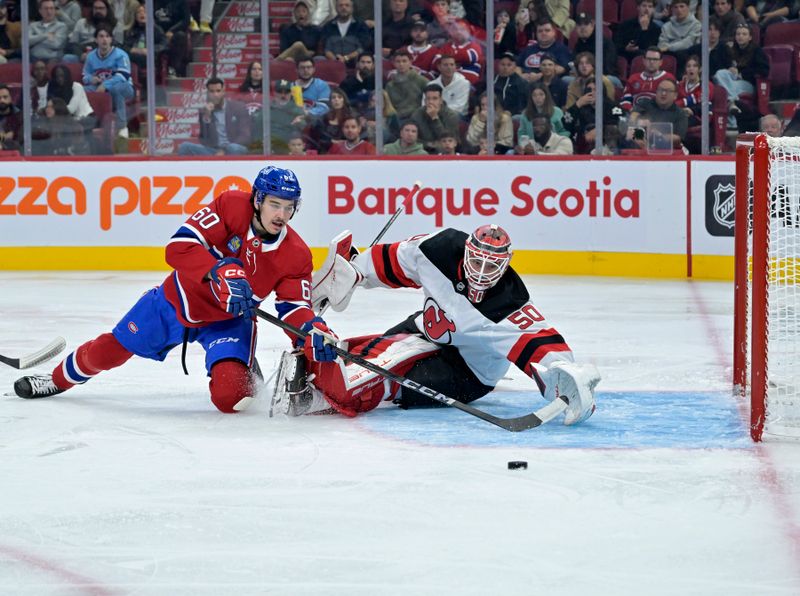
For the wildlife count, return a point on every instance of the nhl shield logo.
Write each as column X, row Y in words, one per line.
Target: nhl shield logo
column 720, row 205
column 725, row 204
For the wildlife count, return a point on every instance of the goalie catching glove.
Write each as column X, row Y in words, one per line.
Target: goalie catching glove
column 337, row 279
column 318, row 344
column 231, row 288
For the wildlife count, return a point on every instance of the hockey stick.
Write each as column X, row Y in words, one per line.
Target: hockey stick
column 526, row 422
column 43, row 355
column 414, row 189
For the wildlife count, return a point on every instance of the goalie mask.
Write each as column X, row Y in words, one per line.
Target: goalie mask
column 277, row 182
column 487, row 254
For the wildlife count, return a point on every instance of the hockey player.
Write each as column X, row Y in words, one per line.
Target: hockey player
column 476, row 319
column 227, row 258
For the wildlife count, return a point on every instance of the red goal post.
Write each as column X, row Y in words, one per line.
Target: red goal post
column 766, row 352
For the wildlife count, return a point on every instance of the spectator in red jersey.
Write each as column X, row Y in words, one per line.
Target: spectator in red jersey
column 421, row 51
column 352, row 144
column 466, row 52
column 228, row 257
column 642, row 85
column 690, row 91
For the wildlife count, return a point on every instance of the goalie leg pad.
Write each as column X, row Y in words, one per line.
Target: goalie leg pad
column 351, row 389
column 231, row 386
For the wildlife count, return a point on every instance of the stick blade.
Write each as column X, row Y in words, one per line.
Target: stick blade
column 52, row 349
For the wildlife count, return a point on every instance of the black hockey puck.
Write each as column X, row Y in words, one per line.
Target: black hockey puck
column 517, row 465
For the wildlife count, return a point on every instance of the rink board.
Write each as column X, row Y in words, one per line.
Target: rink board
column 623, row 420
column 631, row 217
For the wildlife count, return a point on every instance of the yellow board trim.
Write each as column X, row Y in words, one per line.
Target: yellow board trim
column 146, row 258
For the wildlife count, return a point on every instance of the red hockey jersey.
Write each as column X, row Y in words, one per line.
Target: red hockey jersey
column 641, row 84
column 224, row 229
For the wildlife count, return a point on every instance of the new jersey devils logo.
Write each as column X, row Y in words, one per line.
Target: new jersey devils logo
column 437, row 326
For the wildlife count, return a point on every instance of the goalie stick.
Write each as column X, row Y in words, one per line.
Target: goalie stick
column 520, row 423
column 43, row 355
column 414, row 189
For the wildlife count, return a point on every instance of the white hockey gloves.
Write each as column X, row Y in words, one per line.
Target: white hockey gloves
column 337, row 279
column 575, row 382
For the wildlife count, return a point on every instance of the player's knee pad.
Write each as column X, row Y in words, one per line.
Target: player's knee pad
column 231, row 386
column 352, row 389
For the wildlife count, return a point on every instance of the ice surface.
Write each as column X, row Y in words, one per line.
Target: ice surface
column 134, row 484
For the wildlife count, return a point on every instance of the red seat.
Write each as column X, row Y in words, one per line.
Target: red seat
column 282, row 69
column 622, row 68
column 782, row 33
column 331, row 71
column 103, row 134
column 75, row 69
column 11, row 72
column 573, row 36
column 780, row 64
column 610, row 9
column 668, row 63
column 628, row 10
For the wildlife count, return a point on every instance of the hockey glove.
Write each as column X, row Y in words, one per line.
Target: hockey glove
column 231, row 288
column 318, row 344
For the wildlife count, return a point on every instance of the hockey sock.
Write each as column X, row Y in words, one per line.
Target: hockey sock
column 231, row 387
column 102, row 353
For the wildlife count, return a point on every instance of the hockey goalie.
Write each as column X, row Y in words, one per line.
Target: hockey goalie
column 476, row 320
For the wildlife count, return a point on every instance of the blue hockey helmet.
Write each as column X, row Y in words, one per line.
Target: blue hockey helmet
column 277, row 182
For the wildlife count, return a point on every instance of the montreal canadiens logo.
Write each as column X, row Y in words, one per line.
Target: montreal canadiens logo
column 132, row 327
column 437, row 326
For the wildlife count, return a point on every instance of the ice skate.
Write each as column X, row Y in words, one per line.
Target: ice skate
column 290, row 385
column 576, row 383
column 35, row 386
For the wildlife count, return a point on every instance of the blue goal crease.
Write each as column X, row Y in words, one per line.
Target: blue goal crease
column 623, row 420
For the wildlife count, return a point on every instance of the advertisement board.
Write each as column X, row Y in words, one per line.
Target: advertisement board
column 617, row 217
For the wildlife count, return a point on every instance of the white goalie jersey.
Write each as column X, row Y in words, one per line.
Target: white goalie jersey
column 503, row 328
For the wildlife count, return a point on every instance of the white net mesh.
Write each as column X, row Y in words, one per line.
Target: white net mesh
column 783, row 291
column 782, row 332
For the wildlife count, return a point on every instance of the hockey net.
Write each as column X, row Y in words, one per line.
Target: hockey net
column 767, row 282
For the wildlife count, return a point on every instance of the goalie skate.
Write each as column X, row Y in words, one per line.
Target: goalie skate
column 576, row 383
column 36, row 386
column 293, row 394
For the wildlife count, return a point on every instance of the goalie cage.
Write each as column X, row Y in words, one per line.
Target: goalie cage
column 767, row 302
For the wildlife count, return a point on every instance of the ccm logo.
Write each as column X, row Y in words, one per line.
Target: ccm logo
column 234, row 273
